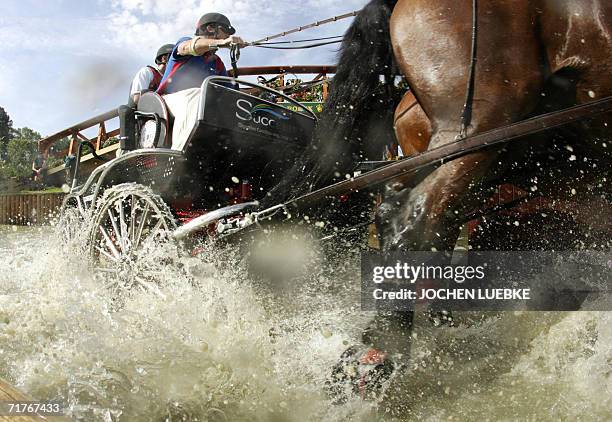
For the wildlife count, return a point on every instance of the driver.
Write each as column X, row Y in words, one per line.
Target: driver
column 193, row 58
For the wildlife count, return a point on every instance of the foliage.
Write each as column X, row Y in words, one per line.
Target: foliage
column 110, row 141
column 6, row 131
column 54, row 161
column 300, row 92
column 60, row 145
column 57, row 152
column 313, row 94
column 27, row 134
column 20, row 154
column 21, row 151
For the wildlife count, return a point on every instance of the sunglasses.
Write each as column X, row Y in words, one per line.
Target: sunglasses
column 162, row 59
column 216, row 26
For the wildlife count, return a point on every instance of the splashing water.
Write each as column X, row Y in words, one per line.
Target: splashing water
column 205, row 352
column 219, row 347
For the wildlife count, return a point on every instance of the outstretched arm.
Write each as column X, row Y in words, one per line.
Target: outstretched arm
column 198, row 46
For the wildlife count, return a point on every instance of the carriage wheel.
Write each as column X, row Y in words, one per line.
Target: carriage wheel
column 130, row 223
column 69, row 221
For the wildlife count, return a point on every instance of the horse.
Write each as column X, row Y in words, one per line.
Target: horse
column 412, row 126
column 503, row 60
column 565, row 42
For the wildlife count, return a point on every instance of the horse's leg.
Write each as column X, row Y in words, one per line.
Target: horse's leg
column 412, row 126
column 434, row 55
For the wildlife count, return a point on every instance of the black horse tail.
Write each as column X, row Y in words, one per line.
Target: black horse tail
column 357, row 118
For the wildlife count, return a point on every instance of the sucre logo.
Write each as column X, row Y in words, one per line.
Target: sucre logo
column 261, row 114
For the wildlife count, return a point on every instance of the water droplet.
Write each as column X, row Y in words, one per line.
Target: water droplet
column 326, row 333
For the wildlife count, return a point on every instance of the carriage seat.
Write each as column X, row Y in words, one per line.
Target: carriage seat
column 217, row 108
column 225, row 134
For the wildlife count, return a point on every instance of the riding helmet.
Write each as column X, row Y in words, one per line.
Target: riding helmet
column 163, row 50
column 217, row 18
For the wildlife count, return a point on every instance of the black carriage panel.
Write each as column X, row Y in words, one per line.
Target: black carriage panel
column 157, row 169
column 240, row 136
column 251, row 119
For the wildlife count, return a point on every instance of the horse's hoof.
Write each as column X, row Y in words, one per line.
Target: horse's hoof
column 362, row 372
column 439, row 318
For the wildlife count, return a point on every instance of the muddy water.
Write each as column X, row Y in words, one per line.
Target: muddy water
column 218, row 347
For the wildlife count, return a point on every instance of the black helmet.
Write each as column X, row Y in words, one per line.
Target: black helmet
column 217, row 18
column 163, row 50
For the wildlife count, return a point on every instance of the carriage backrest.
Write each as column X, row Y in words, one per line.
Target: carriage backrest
column 248, row 117
column 238, row 135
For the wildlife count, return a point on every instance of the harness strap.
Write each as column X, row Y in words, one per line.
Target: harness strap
column 312, row 25
column 219, row 68
column 163, row 85
column 468, row 105
column 235, row 56
column 157, row 77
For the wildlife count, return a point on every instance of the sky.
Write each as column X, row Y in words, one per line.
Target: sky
column 68, row 60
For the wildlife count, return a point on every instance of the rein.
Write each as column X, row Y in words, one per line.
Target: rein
column 468, row 105
column 302, row 47
column 311, row 25
column 263, row 43
column 299, row 41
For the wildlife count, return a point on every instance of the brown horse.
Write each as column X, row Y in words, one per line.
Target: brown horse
column 531, row 56
column 521, row 45
column 412, row 126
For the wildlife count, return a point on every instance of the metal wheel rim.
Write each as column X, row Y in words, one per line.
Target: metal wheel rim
column 124, row 228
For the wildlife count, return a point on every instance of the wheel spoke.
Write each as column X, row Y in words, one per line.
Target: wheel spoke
column 115, row 228
column 106, row 254
column 145, row 214
column 130, row 233
column 110, row 243
column 133, row 219
column 156, row 228
column 125, row 241
column 150, row 287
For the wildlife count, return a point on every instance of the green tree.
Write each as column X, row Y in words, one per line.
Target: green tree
column 58, row 152
column 20, row 153
column 60, row 145
column 6, row 131
column 27, row 134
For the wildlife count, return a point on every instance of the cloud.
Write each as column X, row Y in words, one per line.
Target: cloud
column 6, row 80
column 43, row 36
column 95, row 80
column 140, row 24
column 71, row 59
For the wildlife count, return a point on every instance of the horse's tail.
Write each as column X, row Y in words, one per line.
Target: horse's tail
column 358, row 112
column 365, row 54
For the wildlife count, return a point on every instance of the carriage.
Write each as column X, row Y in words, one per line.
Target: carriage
column 208, row 179
column 201, row 181
column 211, row 182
